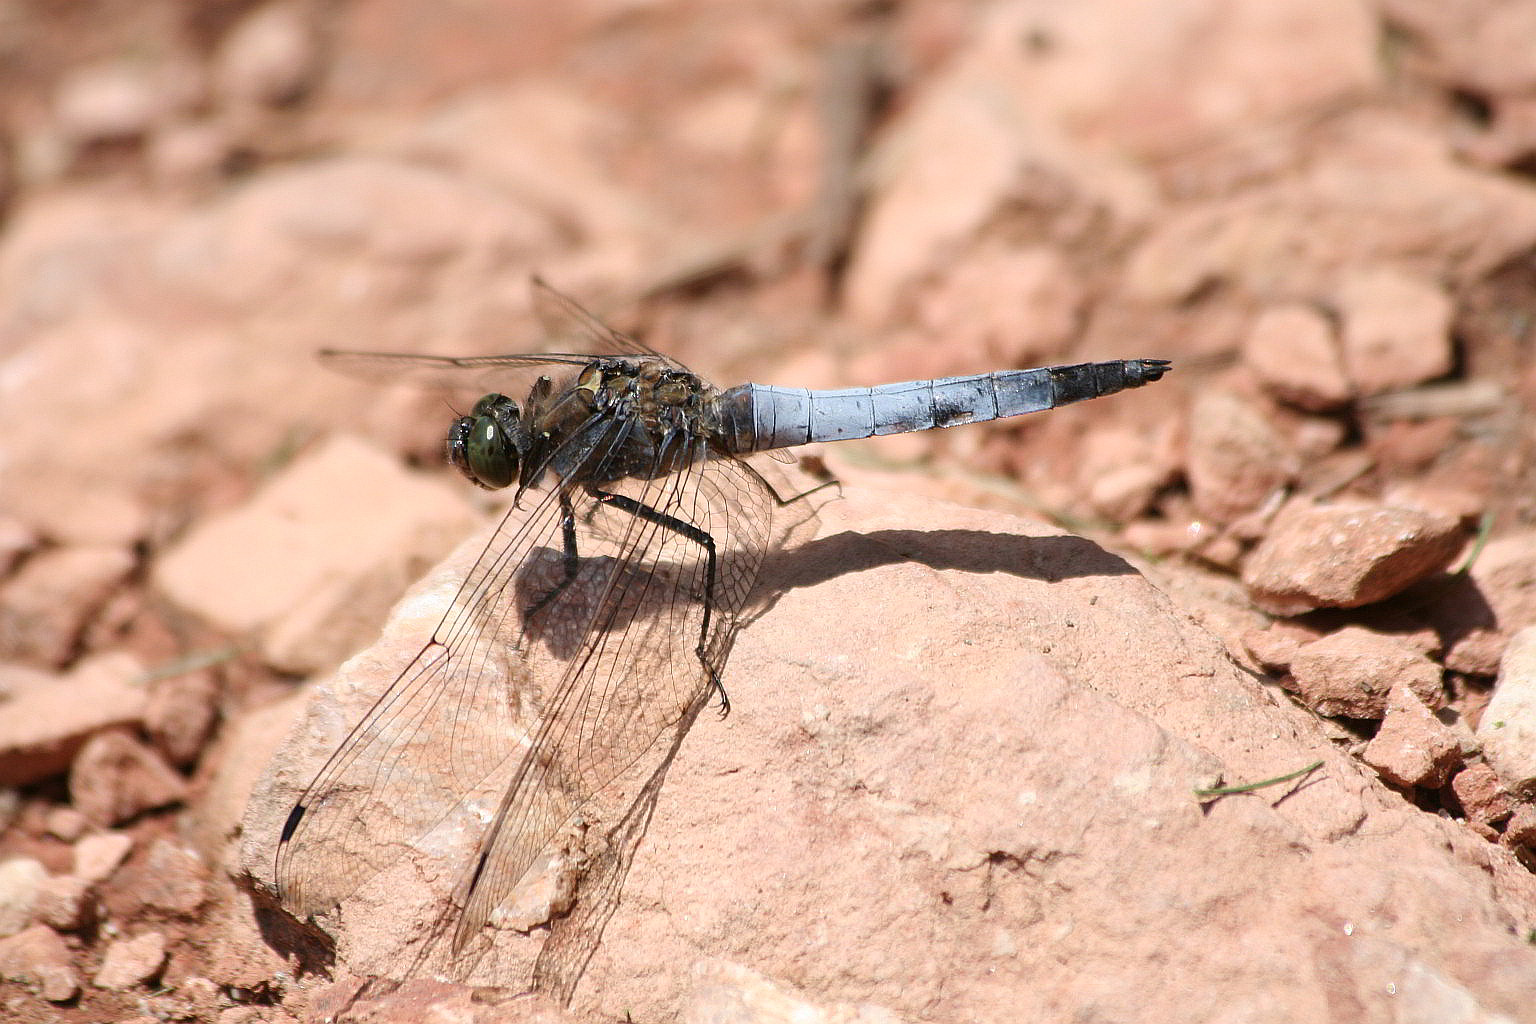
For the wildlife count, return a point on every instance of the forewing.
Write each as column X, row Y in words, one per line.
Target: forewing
column 445, row 738
column 565, row 320
column 520, row 719
column 641, row 599
column 468, row 373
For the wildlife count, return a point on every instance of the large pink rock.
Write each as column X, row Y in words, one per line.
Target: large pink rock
column 948, row 731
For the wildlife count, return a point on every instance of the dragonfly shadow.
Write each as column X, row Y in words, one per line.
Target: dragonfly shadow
column 1048, row 559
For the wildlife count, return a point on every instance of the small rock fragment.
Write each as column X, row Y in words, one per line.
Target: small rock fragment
column 1412, row 747
column 170, row 880
column 44, row 726
column 20, row 880
column 1236, row 458
column 44, row 607
column 1397, row 330
column 1508, row 726
column 129, row 962
column 115, row 777
column 1481, row 795
column 66, row 823
column 16, row 540
column 1521, row 830
column 63, row 904
column 1292, row 351
column 96, row 857
column 179, row 715
column 1274, row 648
column 1351, row 672
column 269, row 58
column 39, row 959
column 1346, row 555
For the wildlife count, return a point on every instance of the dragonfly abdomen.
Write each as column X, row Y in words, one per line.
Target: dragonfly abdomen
column 757, row 417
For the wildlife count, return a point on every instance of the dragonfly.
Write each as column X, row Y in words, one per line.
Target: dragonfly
column 600, row 613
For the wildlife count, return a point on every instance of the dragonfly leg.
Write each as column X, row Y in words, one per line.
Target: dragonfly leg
column 643, row 511
column 571, row 562
column 774, row 493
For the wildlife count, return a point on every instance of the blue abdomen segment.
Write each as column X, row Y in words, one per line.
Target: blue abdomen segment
column 759, row 416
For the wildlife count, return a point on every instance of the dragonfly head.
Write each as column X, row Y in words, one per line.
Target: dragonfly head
column 487, row 445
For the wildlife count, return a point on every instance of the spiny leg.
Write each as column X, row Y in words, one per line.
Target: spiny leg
column 774, row 493
column 643, row 511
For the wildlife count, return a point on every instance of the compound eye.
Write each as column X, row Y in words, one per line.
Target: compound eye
column 482, row 448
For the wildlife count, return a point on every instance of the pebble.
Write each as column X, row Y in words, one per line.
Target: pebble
column 1346, row 555
column 66, row 823
column 171, row 879
column 20, row 880
column 115, row 778
column 1397, row 330
column 1351, row 672
column 44, row 726
column 129, row 962
column 44, row 607
column 1412, row 747
column 1508, row 726
column 1236, row 458
column 63, row 904
column 1481, row 795
column 97, row 856
column 180, row 714
column 39, row 959
column 1293, row 352
column 269, row 58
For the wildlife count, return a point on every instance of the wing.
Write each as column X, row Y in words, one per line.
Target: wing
column 647, row 654
column 518, row 717
column 563, row 318
column 481, row 373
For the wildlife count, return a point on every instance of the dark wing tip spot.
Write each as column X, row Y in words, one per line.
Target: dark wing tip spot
column 292, row 824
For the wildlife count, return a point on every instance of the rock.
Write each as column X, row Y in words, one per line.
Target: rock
column 1292, row 350
column 170, row 879
column 39, row 959
column 1397, row 330
column 319, row 553
column 1505, row 577
column 1350, row 673
column 844, row 788
column 180, row 714
column 1521, row 829
column 44, row 607
column 725, row 991
column 17, row 539
column 115, row 778
column 97, row 856
column 1275, row 647
column 63, row 904
column 1508, row 727
column 1351, row 207
column 21, row 878
column 66, row 823
column 1236, row 459
column 270, row 58
column 119, row 100
column 45, row 725
column 1481, row 795
column 1412, row 747
column 1345, row 555
column 130, row 962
